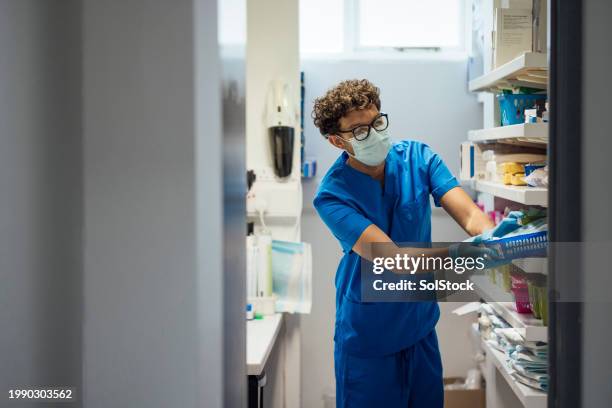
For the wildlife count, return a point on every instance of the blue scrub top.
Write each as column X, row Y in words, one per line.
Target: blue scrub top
column 348, row 201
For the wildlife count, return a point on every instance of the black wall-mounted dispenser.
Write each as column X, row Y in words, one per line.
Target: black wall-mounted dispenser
column 281, row 118
column 282, row 140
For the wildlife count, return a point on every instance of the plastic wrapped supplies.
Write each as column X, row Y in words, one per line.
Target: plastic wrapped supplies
column 279, row 275
column 530, row 369
column 508, row 168
column 292, row 276
column 526, row 360
column 538, row 177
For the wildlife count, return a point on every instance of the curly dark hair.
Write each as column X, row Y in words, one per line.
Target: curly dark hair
column 341, row 99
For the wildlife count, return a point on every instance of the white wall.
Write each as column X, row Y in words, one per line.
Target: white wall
column 162, row 310
column 40, row 195
column 272, row 54
column 427, row 101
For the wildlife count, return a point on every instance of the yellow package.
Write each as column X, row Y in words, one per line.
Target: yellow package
column 507, row 178
column 511, row 168
column 518, row 179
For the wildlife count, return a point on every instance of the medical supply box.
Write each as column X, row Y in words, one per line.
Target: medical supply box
column 463, row 398
column 512, row 30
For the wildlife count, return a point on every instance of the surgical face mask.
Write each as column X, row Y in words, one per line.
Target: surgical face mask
column 374, row 149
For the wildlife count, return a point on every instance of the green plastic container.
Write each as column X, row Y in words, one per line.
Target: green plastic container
column 538, row 296
column 507, row 280
column 543, row 297
column 534, row 301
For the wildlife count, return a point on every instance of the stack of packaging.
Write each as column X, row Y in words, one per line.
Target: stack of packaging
column 530, row 365
column 522, row 234
column 526, row 360
column 488, row 324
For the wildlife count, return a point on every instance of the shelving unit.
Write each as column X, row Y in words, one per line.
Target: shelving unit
column 529, row 327
column 531, row 70
column 532, row 265
column 523, row 133
column 520, row 194
column 529, row 397
column 528, row 70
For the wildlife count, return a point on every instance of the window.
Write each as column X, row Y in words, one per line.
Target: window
column 409, row 23
column 321, row 26
column 232, row 22
column 334, row 26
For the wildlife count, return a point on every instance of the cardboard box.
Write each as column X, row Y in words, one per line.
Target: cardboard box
column 463, row 398
column 512, row 30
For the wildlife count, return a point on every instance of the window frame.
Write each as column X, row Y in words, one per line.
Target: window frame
column 353, row 50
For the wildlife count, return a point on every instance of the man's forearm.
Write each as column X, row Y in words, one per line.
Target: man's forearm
column 478, row 222
column 465, row 212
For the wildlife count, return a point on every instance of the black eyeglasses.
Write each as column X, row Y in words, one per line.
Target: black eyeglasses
column 361, row 132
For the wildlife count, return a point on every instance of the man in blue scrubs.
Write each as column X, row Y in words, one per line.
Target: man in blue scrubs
column 386, row 354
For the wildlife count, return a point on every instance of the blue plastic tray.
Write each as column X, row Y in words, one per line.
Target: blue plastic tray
column 533, row 245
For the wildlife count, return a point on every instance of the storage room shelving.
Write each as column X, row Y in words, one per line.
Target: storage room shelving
column 528, row 70
column 523, row 133
column 529, row 398
column 520, row 194
column 529, row 327
column 532, row 265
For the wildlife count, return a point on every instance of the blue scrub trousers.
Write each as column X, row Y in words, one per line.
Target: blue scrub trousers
column 409, row 378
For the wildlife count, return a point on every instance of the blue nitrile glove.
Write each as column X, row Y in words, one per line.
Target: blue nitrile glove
column 492, row 257
column 505, row 226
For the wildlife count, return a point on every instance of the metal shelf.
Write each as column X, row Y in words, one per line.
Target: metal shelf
column 528, row 70
column 520, row 194
column 529, row 327
column 521, row 134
